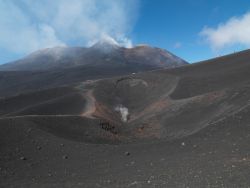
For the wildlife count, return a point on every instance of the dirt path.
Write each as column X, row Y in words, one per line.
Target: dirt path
column 90, row 104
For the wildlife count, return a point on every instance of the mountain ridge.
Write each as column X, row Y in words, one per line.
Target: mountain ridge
column 101, row 53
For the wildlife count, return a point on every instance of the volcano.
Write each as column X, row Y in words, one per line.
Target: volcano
column 186, row 126
column 103, row 53
column 60, row 66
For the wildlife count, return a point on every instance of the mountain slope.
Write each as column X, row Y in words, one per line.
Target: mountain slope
column 176, row 102
column 183, row 127
column 100, row 54
column 62, row 66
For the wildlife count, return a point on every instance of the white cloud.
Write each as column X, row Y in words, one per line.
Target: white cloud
column 19, row 35
column 28, row 25
column 235, row 31
column 177, row 45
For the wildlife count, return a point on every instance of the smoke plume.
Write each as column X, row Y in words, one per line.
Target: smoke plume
column 123, row 111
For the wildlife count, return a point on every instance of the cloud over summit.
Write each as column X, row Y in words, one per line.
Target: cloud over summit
column 28, row 25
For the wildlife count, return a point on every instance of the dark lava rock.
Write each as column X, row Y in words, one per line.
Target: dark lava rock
column 127, row 153
column 65, row 157
column 23, row 158
column 39, row 147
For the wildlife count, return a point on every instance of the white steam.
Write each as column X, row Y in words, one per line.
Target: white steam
column 123, row 111
column 28, row 25
column 104, row 38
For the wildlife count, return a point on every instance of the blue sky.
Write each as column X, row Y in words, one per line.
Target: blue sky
column 192, row 29
column 175, row 25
